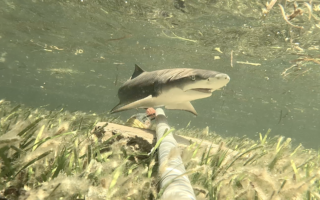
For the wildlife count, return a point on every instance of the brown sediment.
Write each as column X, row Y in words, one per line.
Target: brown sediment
column 271, row 4
column 297, row 11
column 286, row 18
column 307, row 58
column 309, row 7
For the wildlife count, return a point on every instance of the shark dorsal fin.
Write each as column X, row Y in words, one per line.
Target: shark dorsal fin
column 137, row 71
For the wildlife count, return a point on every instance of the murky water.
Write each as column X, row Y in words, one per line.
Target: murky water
column 77, row 54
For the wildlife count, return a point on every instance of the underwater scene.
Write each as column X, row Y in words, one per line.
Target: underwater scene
column 82, row 83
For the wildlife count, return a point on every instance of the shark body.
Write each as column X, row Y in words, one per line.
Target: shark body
column 172, row 88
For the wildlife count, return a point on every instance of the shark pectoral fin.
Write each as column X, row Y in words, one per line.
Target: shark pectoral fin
column 130, row 105
column 187, row 106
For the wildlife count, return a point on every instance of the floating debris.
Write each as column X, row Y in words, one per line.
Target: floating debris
column 177, row 37
column 248, row 63
column 67, row 71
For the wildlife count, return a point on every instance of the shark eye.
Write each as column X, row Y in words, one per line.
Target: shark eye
column 193, row 77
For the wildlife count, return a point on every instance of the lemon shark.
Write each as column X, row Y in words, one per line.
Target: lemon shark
column 171, row 88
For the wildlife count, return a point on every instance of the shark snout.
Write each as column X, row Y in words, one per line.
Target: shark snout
column 218, row 81
column 222, row 76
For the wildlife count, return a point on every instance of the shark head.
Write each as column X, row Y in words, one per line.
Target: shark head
column 202, row 81
column 172, row 88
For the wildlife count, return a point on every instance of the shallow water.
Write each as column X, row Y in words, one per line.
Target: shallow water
column 76, row 55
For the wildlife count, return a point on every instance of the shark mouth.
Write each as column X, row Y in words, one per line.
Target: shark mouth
column 204, row 90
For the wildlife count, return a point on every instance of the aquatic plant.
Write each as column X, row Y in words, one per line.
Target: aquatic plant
column 56, row 154
column 53, row 154
column 269, row 168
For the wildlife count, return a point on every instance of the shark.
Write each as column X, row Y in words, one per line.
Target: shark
column 172, row 88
